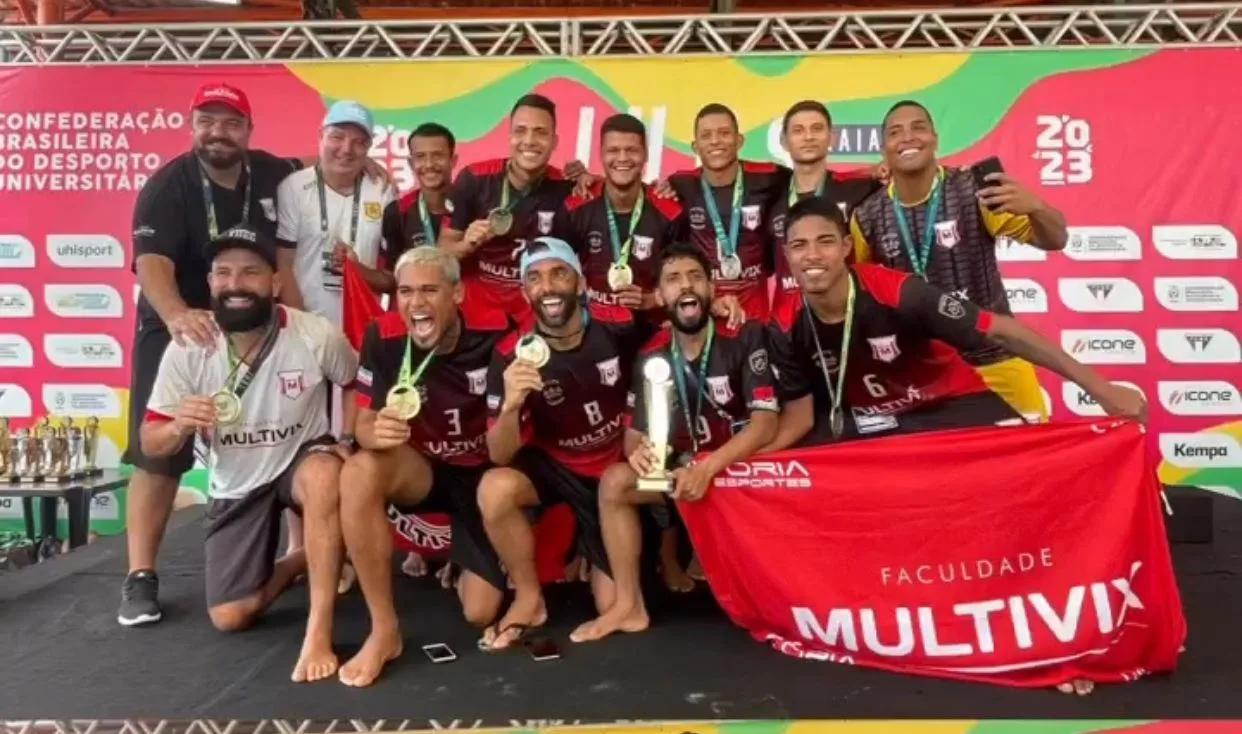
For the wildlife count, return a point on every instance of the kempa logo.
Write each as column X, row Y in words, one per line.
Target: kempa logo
column 1195, row 242
column 1104, row 346
column 15, row 351
column 1199, row 346
column 1206, row 397
column 1026, row 296
column 1207, row 450
column 83, row 301
column 1080, row 402
column 85, row 251
column 15, row 302
column 1103, row 243
column 16, row 251
column 1100, row 295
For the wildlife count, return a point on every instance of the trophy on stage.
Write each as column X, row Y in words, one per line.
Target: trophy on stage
column 74, row 436
column 30, row 456
column 90, row 448
column 658, row 397
column 6, row 443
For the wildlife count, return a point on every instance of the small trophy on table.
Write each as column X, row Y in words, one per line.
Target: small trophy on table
column 90, row 448
column 658, row 397
column 6, row 443
column 30, row 456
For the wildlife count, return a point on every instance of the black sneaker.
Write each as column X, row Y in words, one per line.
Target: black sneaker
column 140, row 602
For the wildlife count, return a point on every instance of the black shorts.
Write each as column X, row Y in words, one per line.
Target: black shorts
column 555, row 484
column 965, row 411
column 455, row 491
column 243, row 535
column 150, row 341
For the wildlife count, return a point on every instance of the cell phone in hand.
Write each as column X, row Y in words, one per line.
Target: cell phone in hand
column 439, row 652
column 985, row 168
column 543, row 648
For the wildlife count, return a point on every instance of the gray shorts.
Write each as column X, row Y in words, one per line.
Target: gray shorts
column 243, row 535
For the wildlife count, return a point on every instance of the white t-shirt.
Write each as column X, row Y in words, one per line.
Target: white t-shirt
column 285, row 405
column 299, row 221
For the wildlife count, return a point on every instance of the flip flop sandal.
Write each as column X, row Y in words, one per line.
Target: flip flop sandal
column 518, row 640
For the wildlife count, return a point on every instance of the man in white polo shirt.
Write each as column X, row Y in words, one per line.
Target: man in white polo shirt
column 257, row 397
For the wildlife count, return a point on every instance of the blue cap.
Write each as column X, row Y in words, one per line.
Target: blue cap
column 549, row 248
column 349, row 112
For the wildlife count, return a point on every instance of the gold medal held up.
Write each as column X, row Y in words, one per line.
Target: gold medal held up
column 228, row 407
column 532, row 348
column 405, row 400
column 500, row 220
column 620, row 276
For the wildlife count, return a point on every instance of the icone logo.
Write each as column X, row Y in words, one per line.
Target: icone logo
column 1104, row 346
column 1205, row 397
column 1199, row 346
column 85, row 251
column 1100, row 295
column 82, row 350
column 1103, row 243
column 83, row 301
column 15, row 302
column 1201, row 450
column 81, row 399
column 14, row 401
column 15, row 351
column 1204, row 293
column 16, row 251
column 1080, row 402
column 1195, row 242
column 1026, row 296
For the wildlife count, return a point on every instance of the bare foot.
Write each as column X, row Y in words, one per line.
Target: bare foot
column 348, row 577
column 363, row 668
column 676, row 579
column 446, row 577
column 414, row 566
column 317, row 660
column 1077, row 686
column 633, row 619
column 523, row 614
column 695, row 571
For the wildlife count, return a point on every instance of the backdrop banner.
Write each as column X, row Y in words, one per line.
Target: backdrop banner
column 946, row 554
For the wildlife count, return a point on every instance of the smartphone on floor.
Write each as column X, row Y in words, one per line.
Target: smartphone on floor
column 543, row 648
column 439, row 653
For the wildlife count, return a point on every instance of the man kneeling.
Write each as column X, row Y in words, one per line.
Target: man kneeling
column 725, row 404
column 259, row 400
column 422, row 420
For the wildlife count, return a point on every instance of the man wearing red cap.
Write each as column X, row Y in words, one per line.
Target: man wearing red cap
column 217, row 184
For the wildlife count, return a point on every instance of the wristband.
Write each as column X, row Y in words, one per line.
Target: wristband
column 349, row 440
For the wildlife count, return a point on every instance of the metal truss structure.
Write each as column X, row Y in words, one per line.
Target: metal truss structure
column 1192, row 25
column 293, row 726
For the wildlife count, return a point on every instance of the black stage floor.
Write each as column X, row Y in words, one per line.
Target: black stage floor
column 64, row 656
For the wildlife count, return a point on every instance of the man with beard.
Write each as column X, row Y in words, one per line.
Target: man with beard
column 194, row 197
column 806, row 133
column 498, row 206
column 727, row 203
column 421, row 424
column 257, row 397
column 414, row 219
column 869, row 351
column 939, row 225
column 725, row 409
column 556, row 398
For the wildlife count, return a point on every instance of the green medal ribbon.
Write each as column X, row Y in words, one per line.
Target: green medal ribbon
column 793, row 189
column 621, row 251
column 424, row 214
column 835, row 395
column 919, row 257
column 405, row 380
column 726, row 243
column 680, row 368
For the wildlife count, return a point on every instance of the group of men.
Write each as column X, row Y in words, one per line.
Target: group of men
column 527, row 310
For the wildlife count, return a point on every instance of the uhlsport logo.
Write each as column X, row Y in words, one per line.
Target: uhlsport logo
column 15, row 351
column 1093, row 244
column 1195, row 242
column 16, row 251
column 1100, row 295
column 1199, row 346
column 1080, row 402
column 1104, row 346
column 1197, row 398
column 1203, row 293
column 15, row 302
column 85, row 251
column 83, row 301
column 1026, row 296
column 1206, row 450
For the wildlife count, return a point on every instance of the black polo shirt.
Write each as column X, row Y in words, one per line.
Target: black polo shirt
column 170, row 219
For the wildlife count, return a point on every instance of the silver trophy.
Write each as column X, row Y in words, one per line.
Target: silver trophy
column 90, row 448
column 6, row 444
column 75, row 448
column 658, row 402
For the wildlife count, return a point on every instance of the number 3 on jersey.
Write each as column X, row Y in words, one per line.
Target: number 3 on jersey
column 454, row 421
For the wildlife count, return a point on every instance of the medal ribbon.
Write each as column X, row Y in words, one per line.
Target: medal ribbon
column 404, row 379
column 323, row 207
column 239, row 387
column 835, row 395
column 505, row 204
column 213, row 224
column 919, row 258
column 680, row 369
column 726, row 244
column 793, row 188
column 424, row 214
column 621, row 252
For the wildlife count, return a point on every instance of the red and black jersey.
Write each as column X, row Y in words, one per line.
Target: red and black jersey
column 584, row 225
column 846, row 190
column 738, row 381
column 761, row 183
column 452, row 425
column 900, row 358
column 578, row 417
column 404, row 229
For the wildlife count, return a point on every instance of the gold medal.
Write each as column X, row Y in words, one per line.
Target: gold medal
column 228, row 407
column 405, row 400
column 500, row 220
column 620, row 276
column 532, row 348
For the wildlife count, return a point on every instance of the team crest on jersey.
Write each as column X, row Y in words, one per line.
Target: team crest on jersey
column 642, row 247
column 372, row 210
column 595, row 241
column 750, row 217
column 890, row 245
column 759, row 361
column 291, row 383
column 477, row 380
column 884, row 348
column 778, row 225
column 720, row 390
column 946, row 234
column 269, row 209
column 545, row 222
column 609, row 371
column 553, row 393
column 698, row 217
column 950, row 307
